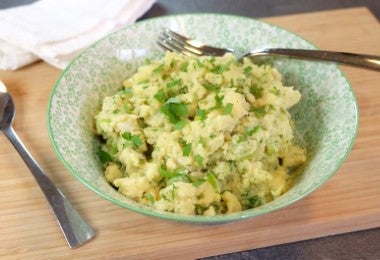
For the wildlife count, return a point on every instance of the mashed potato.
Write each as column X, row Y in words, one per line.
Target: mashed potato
column 200, row 136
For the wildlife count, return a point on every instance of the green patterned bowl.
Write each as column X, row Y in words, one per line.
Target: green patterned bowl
column 326, row 118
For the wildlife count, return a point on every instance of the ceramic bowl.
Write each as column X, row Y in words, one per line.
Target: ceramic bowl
column 326, row 119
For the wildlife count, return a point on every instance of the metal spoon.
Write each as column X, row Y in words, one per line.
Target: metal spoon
column 73, row 226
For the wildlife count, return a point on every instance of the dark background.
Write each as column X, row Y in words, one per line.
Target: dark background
column 356, row 245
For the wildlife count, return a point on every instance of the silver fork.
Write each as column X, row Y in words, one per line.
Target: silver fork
column 172, row 41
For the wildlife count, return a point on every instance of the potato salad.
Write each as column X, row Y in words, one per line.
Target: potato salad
column 200, row 135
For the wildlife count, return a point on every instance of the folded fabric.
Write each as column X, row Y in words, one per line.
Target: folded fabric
column 56, row 31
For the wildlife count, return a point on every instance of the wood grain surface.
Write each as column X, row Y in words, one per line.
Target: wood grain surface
column 349, row 201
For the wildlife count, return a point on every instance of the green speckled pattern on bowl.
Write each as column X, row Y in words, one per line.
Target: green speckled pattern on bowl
column 326, row 119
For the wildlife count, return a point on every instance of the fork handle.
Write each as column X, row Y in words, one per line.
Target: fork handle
column 73, row 226
column 354, row 59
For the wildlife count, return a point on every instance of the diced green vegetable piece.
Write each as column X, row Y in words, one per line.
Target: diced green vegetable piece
column 173, row 83
column 276, row 91
column 218, row 102
column 252, row 131
column 247, row 69
column 202, row 141
column 159, row 69
column 179, row 125
column 178, row 178
column 134, row 139
column 184, row 66
column 199, row 160
column 198, row 182
column 252, row 201
column 187, row 149
column 259, row 111
column 174, row 109
column 256, row 91
column 127, row 109
column 220, row 68
column 160, row 96
column 211, row 87
column 211, row 178
column 200, row 63
column 167, row 174
column 201, row 114
column 150, row 198
column 104, row 157
column 227, row 109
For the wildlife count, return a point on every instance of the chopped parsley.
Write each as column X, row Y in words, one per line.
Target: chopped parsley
column 104, row 157
column 218, row 102
column 256, row 91
column 220, row 68
column 159, row 69
column 252, row 131
column 247, row 69
column 211, row 178
column 227, row 110
column 127, row 109
column 173, row 83
column 187, row 149
column 133, row 140
column 252, row 201
column 199, row 160
column 211, row 87
column 184, row 66
column 174, row 176
column 201, row 115
column 160, row 96
column 259, row 111
column 198, row 182
column 174, row 109
column 179, row 125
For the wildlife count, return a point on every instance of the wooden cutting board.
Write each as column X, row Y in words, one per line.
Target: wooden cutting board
column 349, row 201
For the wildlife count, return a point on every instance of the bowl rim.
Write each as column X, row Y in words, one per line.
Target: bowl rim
column 198, row 219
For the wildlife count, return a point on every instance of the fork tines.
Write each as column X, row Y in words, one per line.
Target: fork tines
column 172, row 41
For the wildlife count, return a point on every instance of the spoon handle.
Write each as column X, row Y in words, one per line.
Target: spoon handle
column 354, row 59
column 73, row 226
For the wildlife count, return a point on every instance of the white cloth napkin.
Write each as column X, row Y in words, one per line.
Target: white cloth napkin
column 57, row 30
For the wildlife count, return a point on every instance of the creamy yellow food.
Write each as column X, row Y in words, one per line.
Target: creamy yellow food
column 200, row 135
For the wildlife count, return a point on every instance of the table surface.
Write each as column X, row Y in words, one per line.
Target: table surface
column 348, row 202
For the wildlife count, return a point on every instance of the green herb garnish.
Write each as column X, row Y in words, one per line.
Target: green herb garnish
column 159, row 69
column 184, row 66
column 187, row 149
column 201, row 115
column 160, row 96
column 252, row 131
column 256, row 91
column 211, row 87
column 199, row 160
column 259, row 111
column 198, row 182
column 104, row 157
column 179, row 125
column 227, row 109
column 135, row 140
column 127, row 109
column 174, row 110
column 211, row 178
column 247, row 70
column 173, row 83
